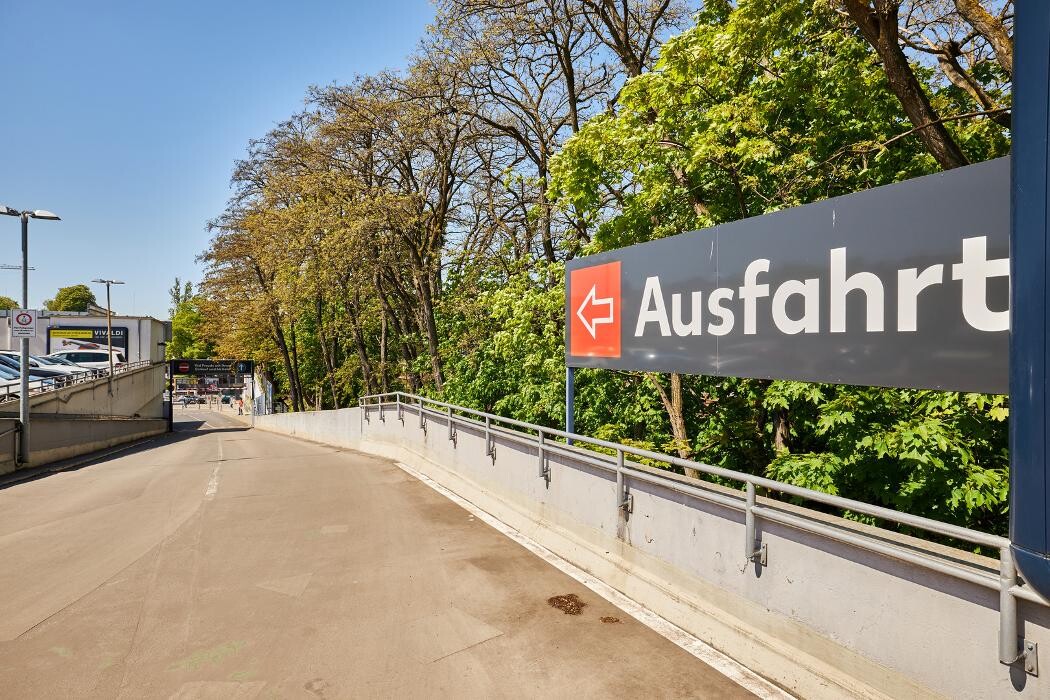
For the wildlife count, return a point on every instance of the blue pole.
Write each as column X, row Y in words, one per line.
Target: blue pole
column 570, row 400
column 1029, row 258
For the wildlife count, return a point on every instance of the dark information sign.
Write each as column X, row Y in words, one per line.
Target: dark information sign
column 212, row 367
column 904, row 286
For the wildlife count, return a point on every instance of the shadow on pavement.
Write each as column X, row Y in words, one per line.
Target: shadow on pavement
column 183, row 430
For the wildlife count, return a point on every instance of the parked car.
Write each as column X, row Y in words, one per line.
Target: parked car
column 92, row 359
column 58, row 362
column 14, row 363
column 11, row 381
column 38, row 363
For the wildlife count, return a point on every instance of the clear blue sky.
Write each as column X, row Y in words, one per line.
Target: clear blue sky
column 125, row 119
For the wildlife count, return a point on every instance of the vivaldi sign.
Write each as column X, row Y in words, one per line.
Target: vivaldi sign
column 905, row 285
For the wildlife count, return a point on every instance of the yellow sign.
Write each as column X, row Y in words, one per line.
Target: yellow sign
column 72, row 333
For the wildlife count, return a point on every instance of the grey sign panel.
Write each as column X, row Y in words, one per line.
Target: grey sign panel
column 904, row 286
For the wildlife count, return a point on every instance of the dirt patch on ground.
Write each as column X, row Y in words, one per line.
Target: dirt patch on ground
column 610, row 620
column 569, row 604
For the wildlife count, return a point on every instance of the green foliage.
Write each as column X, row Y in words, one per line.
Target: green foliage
column 409, row 231
column 73, row 298
column 8, row 303
column 765, row 105
column 187, row 338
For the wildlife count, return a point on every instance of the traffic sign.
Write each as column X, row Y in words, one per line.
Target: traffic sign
column 904, row 286
column 23, row 323
column 212, row 367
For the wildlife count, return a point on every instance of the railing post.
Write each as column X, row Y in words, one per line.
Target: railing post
column 422, row 422
column 451, row 427
column 544, row 472
column 753, row 549
column 490, row 449
column 619, row 483
column 1008, row 651
column 1012, row 648
column 400, row 410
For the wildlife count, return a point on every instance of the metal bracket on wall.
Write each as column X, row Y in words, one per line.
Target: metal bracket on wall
column 422, row 418
column 754, row 550
column 382, row 417
column 490, row 445
column 451, row 428
column 627, row 506
column 544, row 467
column 1030, row 657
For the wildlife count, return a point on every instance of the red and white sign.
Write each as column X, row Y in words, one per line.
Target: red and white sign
column 23, row 323
column 594, row 311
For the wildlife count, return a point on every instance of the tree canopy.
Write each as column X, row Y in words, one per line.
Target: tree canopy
column 76, row 297
column 408, row 230
column 187, row 336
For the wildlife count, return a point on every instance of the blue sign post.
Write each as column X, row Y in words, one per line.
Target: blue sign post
column 1030, row 256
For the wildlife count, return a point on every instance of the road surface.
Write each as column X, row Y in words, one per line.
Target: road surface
column 221, row 562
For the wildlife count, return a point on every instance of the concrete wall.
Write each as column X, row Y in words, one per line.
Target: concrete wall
column 55, row 438
column 136, row 394
column 8, row 444
column 822, row 618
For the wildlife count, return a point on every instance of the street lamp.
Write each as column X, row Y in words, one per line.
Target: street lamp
column 23, row 399
column 109, row 327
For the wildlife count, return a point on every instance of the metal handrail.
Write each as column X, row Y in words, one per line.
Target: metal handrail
column 916, row 521
column 1006, row 582
column 42, row 385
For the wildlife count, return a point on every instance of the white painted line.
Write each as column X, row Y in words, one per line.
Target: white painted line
column 213, row 483
column 735, row 671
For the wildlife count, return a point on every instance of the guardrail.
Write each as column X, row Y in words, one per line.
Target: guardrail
column 41, row 385
column 1010, row 588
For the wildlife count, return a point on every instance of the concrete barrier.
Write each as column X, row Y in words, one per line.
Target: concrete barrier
column 136, row 393
column 822, row 618
column 55, row 438
column 8, row 444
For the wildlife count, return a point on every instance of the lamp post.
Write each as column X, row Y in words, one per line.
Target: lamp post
column 109, row 327
column 23, row 399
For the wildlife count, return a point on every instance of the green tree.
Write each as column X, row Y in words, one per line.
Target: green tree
column 73, row 298
column 187, row 338
column 8, row 303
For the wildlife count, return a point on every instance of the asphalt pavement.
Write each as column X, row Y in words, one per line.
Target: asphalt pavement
column 223, row 562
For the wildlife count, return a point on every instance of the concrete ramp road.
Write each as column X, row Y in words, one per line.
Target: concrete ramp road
column 221, row 562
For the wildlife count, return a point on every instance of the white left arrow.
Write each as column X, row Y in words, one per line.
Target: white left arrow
column 591, row 301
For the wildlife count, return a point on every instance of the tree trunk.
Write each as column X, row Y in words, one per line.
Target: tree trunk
column 991, row 29
column 382, row 355
column 430, row 328
column 781, row 429
column 329, row 359
column 362, row 350
column 546, row 229
column 298, row 399
column 879, row 26
column 674, row 406
column 282, row 345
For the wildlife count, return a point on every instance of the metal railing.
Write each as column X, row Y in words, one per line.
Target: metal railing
column 40, row 385
column 1011, row 648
